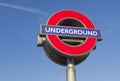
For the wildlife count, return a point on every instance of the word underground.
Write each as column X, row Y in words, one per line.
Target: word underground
column 69, row 31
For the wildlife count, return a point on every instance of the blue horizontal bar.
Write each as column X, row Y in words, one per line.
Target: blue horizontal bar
column 70, row 31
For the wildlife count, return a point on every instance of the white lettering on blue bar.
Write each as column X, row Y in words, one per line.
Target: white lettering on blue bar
column 70, row 31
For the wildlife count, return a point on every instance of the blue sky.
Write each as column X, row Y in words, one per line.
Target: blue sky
column 22, row 60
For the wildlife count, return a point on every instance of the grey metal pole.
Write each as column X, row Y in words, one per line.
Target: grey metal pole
column 70, row 72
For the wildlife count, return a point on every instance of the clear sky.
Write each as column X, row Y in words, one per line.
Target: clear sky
column 22, row 60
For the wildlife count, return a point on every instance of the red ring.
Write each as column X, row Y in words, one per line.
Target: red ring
column 65, row 49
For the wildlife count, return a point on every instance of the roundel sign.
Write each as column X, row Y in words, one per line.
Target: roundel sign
column 55, row 32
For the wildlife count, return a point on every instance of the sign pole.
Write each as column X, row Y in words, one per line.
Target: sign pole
column 70, row 72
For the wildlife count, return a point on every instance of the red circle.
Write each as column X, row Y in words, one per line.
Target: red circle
column 65, row 49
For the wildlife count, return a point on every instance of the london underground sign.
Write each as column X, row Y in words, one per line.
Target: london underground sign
column 84, row 48
column 69, row 33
